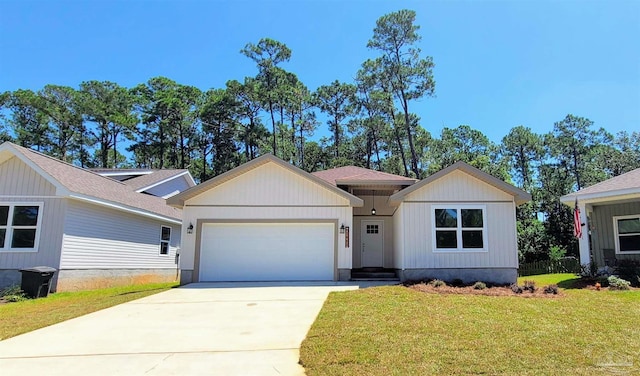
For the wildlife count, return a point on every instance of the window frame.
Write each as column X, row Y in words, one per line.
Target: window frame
column 617, row 235
column 162, row 241
column 459, row 229
column 9, row 227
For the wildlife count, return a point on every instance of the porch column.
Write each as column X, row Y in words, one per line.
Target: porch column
column 583, row 242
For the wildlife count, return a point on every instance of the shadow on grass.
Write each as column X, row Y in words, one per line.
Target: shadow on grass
column 574, row 283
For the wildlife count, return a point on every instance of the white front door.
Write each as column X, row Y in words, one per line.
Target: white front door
column 372, row 243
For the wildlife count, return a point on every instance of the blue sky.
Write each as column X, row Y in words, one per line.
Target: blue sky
column 499, row 64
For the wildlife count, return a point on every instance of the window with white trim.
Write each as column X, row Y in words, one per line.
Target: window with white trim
column 627, row 233
column 20, row 226
column 459, row 228
column 165, row 240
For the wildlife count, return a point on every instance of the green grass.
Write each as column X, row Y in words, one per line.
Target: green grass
column 564, row 280
column 21, row 317
column 394, row 330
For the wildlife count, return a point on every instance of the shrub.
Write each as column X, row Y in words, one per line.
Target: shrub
column 517, row 289
column 551, row 289
column 616, row 283
column 13, row 294
column 457, row 282
column 629, row 270
column 479, row 285
column 437, row 283
column 529, row 286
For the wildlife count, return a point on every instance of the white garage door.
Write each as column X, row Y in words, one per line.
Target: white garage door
column 267, row 252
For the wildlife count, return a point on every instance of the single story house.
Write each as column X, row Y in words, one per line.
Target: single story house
column 610, row 214
column 97, row 231
column 267, row 220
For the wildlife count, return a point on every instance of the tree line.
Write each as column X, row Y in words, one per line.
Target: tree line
column 164, row 124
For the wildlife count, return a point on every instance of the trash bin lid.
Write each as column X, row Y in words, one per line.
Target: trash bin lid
column 39, row 269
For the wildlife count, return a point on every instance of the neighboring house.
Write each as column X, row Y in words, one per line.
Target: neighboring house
column 270, row 221
column 610, row 212
column 95, row 230
column 161, row 183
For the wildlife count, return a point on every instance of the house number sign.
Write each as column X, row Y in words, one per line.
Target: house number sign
column 346, row 237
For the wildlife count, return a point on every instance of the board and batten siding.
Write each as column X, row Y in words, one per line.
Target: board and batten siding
column 97, row 237
column 268, row 192
column 20, row 183
column 398, row 239
column 601, row 227
column 269, row 185
column 170, row 187
column 457, row 188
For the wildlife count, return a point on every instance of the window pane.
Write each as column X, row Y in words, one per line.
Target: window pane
column 4, row 215
column 3, row 233
column 446, row 239
column 23, row 238
column 629, row 243
column 25, row 216
column 472, row 239
column 629, row 226
column 471, row 217
column 164, row 248
column 446, row 218
column 166, row 233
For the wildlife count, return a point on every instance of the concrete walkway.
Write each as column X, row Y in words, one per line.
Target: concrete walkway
column 198, row 329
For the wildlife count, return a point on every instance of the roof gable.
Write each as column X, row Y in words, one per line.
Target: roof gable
column 518, row 194
column 179, row 199
column 81, row 183
column 157, row 177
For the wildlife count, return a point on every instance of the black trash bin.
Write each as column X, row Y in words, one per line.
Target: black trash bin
column 36, row 281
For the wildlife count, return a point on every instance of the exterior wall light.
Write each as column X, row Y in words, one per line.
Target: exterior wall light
column 190, row 228
column 342, row 229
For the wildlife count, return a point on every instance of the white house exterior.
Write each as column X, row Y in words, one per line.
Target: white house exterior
column 94, row 230
column 610, row 214
column 270, row 221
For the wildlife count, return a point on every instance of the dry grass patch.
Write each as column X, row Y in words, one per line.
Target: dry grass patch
column 25, row 316
column 396, row 330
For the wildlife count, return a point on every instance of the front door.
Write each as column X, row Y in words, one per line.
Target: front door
column 372, row 243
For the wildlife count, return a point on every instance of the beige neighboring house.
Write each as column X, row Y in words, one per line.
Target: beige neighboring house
column 267, row 220
column 610, row 212
column 98, row 228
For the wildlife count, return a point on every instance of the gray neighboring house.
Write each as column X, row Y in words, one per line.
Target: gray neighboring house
column 96, row 230
column 610, row 212
column 268, row 220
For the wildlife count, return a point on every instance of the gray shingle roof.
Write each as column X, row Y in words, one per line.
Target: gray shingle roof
column 628, row 183
column 87, row 183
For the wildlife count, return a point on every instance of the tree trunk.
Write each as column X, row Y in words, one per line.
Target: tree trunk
column 273, row 127
column 414, row 157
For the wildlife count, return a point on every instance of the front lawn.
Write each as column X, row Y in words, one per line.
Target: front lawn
column 21, row 317
column 394, row 330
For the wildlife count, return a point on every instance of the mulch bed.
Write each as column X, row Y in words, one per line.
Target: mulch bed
column 489, row 291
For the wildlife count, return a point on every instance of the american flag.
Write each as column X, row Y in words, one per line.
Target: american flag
column 577, row 225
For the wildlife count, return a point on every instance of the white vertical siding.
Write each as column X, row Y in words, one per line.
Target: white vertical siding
column 458, row 186
column 16, row 178
column 20, row 183
column 398, row 239
column 104, row 238
column 501, row 239
column 178, row 184
column 271, row 185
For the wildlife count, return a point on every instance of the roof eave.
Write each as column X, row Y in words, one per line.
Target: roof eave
column 619, row 194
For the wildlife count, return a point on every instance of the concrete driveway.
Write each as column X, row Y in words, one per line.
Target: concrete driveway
column 198, row 329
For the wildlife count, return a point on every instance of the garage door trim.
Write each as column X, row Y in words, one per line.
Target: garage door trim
column 200, row 222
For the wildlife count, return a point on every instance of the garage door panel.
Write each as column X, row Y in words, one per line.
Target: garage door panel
column 267, row 251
